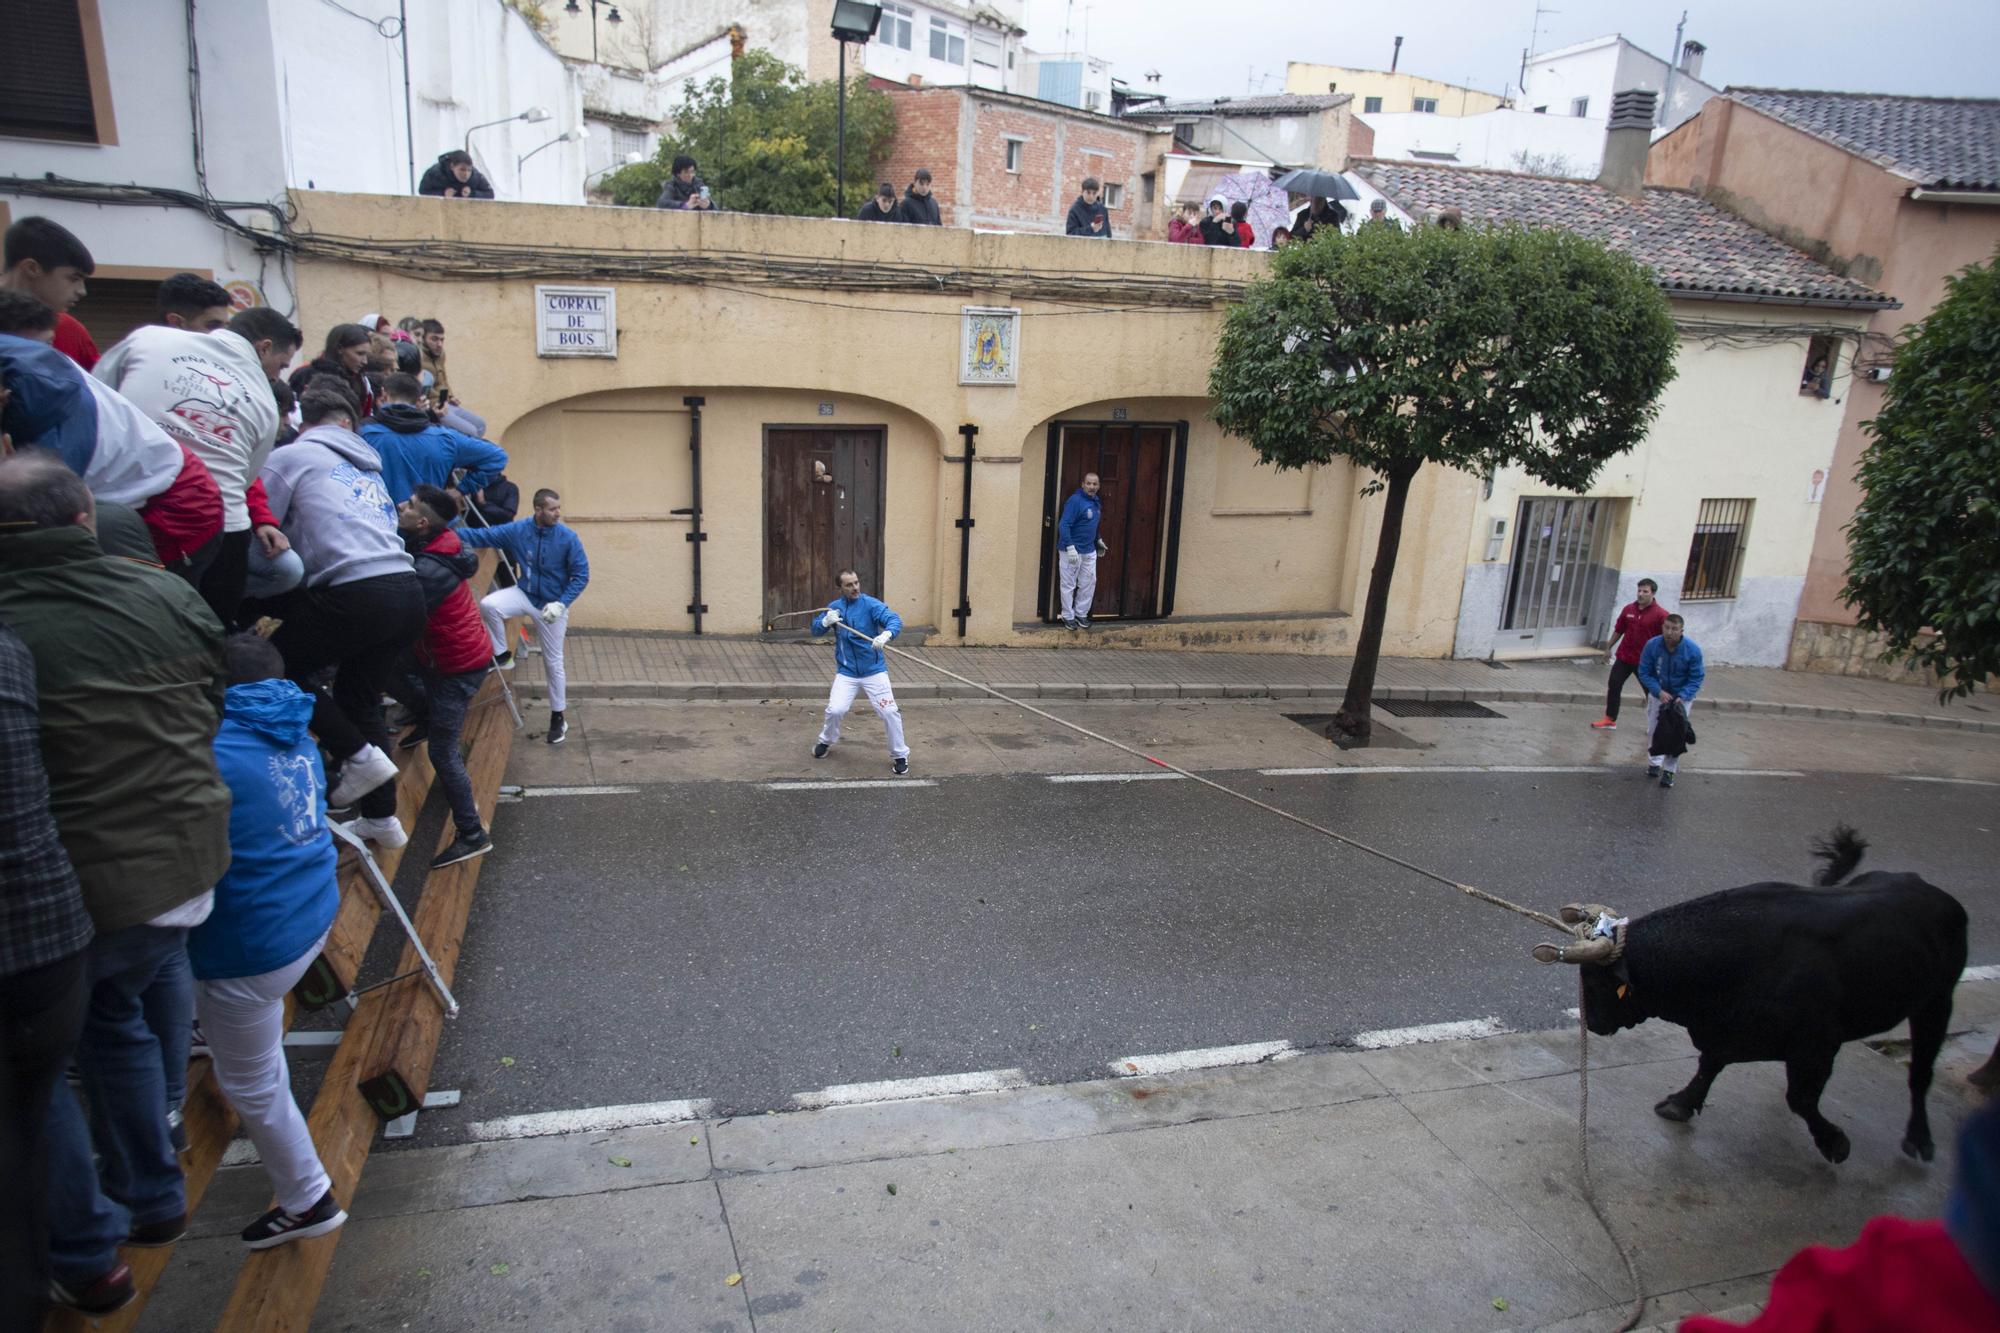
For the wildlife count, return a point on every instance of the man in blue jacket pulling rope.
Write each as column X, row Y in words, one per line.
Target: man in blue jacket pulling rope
column 860, row 665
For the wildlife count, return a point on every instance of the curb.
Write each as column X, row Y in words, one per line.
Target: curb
column 763, row 691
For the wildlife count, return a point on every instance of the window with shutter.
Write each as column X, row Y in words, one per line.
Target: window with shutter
column 46, row 65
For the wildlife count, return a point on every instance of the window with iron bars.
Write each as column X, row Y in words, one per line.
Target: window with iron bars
column 1715, row 556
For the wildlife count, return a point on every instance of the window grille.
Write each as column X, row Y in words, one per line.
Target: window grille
column 1715, row 556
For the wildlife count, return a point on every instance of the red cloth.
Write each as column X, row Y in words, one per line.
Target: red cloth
column 1900, row 1275
column 1245, row 237
column 259, row 504
column 185, row 515
column 455, row 640
column 1182, row 232
column 73, row 341
column 1635, row 628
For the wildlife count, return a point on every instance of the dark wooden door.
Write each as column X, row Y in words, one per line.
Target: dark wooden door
column 1134, row 466
column 822, row 514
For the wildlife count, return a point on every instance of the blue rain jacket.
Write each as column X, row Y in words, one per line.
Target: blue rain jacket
column 553, row 565
column 871, row 616
column 1080, row 517
column 1680, row 672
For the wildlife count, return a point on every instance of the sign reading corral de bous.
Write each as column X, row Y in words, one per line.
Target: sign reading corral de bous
column 576, row 321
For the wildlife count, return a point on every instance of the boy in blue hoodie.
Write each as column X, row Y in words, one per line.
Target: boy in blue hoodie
column 859, row 665
column 273, row 910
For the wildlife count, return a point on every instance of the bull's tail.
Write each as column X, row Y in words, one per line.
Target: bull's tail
column 1841, row 850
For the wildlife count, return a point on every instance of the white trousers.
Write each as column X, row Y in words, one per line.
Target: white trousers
column 1670, row 762
column 842, row 698
column 497, row 607
column 244, row 1021
column 1077, row 578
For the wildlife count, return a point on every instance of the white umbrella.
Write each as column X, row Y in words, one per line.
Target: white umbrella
column 1269, row 205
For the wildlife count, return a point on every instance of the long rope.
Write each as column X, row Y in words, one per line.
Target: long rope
column 1638, row 1307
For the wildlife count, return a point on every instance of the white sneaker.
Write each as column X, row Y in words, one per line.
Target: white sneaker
column 367, row 769
column 385, row 833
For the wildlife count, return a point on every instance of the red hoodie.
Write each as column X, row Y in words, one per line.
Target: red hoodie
column 183, row 517
column 455, row 640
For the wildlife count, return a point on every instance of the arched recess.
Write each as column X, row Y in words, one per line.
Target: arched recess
column 622, row 462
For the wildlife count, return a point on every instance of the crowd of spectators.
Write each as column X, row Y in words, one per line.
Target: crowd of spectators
column 211, row 573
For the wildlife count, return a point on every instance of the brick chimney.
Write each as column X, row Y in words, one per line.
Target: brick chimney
column 1626, row 141
column 915, row 80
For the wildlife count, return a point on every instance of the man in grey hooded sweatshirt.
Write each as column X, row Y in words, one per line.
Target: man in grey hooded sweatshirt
column 361, row 604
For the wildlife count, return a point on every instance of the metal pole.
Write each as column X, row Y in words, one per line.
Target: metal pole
column 840, row 142
column 409, row 129
column 696, row 536
column 387, row 895
column 963, row 613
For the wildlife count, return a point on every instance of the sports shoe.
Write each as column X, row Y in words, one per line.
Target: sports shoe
column 1652, row 771
column 278, row 1226
column 1666, row 779
column 155, row 1234
column 1083, row 622
column 902, row 766
column 820, row 748
column 415, row 736
column 464, row 848
column 385, row 832
column 1070, row 622
column 112, row 1291
column 1606, row 723
column 504, row 660
column 365, row 770
column 558, row 729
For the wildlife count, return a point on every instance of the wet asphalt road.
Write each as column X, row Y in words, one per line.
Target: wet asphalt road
column 723, row 941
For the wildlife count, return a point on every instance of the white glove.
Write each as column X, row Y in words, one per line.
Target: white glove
column 832, row 616
column 552, row 613
column 880, row 639
column 1611, row 660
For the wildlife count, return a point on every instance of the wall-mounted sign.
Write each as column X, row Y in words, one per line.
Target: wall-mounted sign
column 576, row 321
column 243, row 294
column 989, row 345
column 826, row 409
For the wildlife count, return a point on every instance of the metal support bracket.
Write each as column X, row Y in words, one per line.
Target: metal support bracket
column 404, row 1126
column 389, row 900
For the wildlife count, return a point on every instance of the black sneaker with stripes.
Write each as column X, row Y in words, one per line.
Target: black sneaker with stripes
column 278, row 1226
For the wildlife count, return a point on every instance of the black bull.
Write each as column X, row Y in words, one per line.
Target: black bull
column 1783, row 972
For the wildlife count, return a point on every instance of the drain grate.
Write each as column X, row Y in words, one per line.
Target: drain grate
column 1434, row 708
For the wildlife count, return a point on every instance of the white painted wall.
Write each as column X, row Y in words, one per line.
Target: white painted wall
column 1732, row 425
column 889, row 59
column 1604, row 67
column 1492, row 139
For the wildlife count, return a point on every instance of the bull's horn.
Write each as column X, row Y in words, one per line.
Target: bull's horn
column 1579, row 913
column 1587, row 951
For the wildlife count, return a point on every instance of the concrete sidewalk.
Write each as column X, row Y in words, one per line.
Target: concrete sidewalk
column 1432, row 1187
column 637, row 666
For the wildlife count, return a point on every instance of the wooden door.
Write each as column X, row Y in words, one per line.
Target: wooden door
column 1134, row 466
column 822, row 514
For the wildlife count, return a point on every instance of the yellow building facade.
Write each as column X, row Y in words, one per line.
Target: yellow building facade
column 1377, row 90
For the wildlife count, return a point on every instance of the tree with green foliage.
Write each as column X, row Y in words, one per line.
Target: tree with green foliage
column 764, row 140
column 1923, row 553
column 1471, row 349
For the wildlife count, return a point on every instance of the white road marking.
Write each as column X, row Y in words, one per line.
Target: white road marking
column 1956, row 782
column 1465, row 1030
column 1749, row 773
column 1433, row 768
column 907, row 1089
column 1573, row 1013
column 1116, row 777
column 526, row 792
column 1211, row 1057
column 590, row 1118
column 847, row 786
column 240, row 1152
column 1990, row 972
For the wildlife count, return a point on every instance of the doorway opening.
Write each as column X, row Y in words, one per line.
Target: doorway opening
column 1141, row 468
column 823, row 504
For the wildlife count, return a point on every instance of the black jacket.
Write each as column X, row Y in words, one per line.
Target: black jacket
column 1080, row 214
column 919, row 208
column 1672, row 733
column 500, row 501
column 354, row 386
column 438, row 178
column 676, row 192
column 872, row 211
column 1213, row 234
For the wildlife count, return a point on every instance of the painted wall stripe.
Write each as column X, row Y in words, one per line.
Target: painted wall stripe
column 1464, row 1030
column 907, row 1089
column 1210, row 1057
column 589, row 1119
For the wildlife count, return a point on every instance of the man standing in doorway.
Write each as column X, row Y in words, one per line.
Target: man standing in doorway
column 1637, row 625
column 1671, row 671
column 860, row 665
column 1076, row 539
column 554, row 573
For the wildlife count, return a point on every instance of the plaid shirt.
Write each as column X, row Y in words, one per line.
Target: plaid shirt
column 42, row 917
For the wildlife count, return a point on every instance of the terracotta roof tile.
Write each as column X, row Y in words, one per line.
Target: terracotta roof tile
column 1943, row 142
column 1691, row 246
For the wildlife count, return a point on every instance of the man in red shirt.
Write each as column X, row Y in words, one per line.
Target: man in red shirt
column 48, row 262
column 1638, row 622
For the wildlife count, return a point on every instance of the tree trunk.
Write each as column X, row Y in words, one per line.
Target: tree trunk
column 1353, row 719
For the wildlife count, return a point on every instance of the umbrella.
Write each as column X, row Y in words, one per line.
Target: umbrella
column 1269, row 208
column 1318, row 184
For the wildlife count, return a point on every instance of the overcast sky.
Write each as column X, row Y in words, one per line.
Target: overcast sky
column 1207, row 48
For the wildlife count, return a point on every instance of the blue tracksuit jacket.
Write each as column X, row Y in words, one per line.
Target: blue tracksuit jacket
column 553, row 565
column 870, row 615
column 1078, row 528
column 1679, row 671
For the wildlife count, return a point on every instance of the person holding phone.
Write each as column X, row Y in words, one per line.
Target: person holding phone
column 684, row 189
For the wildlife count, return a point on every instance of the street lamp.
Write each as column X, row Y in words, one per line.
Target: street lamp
column 613, row 18
column 567, row 136
column 853, row 21
column 534, row 115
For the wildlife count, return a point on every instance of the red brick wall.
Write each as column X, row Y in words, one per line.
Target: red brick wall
column 926, row 136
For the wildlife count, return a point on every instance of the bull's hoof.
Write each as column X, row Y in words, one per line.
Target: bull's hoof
column 1678, row 1112
column 1922, row 1148
column 1833, row 1146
